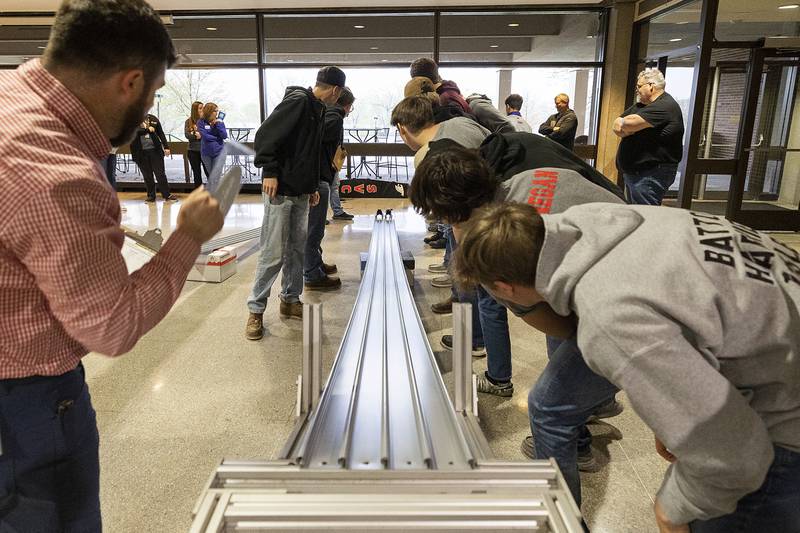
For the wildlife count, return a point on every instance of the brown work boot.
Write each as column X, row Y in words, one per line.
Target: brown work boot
column 444, row 307
column 255, row 326
column 327, row 283
column 292, row 310
column 329, row 269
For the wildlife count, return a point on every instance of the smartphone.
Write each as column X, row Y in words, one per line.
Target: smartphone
column 221, row 115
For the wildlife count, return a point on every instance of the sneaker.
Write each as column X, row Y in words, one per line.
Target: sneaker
column 505, row 390
column 327, row 222
column 437, row 268
column 444, row 307
column 447, row 344
column 433, row 226
column 607, row 410
column 291, row 310
column 343, row 216
column 255, row 326
column 586, row 460
column 327, row 283
column 435, row 237
column 150, row 200
column 171, row 198
column 438, row 245
column 329, row 269
column 442, row 281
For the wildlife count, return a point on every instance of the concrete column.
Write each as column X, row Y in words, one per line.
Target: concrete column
column 504, row 88
column 615, row 75
column 579, row 100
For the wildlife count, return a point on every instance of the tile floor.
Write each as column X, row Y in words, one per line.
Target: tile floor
column 194, row 390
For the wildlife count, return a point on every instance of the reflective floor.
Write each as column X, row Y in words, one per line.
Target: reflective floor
column 194, row 390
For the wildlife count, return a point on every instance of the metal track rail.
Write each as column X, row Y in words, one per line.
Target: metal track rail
column 385, row 405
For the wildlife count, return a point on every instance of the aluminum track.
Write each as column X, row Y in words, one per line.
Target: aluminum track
column 385, row 405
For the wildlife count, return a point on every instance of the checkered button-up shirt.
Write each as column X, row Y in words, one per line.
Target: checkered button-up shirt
column 64, row 287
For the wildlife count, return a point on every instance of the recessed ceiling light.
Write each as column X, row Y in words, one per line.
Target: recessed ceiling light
column 384, row 60
column 513, row 25
column 681, row 23
column 590, row 36
column 675, row 40
column 789, row 6
column 494, row 46
column 290, row 60
column 40, row 47
column 373, row 47
column 211, row 28
column 779, row 37
column 201, row 59
column 359, row 27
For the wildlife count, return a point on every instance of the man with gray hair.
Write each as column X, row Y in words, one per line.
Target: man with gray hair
column 562, row 126
column 652, row 140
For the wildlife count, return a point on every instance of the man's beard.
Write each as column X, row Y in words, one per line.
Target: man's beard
column 131, row 119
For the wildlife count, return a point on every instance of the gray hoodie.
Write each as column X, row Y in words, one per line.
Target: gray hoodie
column 696, row 318
column 488, row 115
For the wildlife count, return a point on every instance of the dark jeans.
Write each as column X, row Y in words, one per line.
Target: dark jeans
column 648, row 186
column 312, row 267
column 464, row 297
column 560, row 403
column 151, row 162
column 49, row 469
column 196, row 162
column 109, row 164
column 774, row 508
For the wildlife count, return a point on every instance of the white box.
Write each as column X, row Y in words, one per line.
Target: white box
column 214, row 267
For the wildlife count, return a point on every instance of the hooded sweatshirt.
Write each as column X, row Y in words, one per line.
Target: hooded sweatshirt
column 488, row 115
column 698, row 320
column 460, row 130
column 449, row 92
column 289, row 141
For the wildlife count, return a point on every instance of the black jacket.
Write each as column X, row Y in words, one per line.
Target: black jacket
column 332, row 138
column 448, row 111
column 288, row 143
column 158, row 138
column 511, row 153
column 567, row 124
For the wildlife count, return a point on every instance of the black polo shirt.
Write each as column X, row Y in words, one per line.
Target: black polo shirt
column 663, row 143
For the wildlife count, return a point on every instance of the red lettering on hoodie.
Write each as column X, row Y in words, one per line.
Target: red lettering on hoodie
column 543, row 189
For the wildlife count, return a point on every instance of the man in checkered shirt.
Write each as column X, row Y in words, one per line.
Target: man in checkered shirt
column 64, row 287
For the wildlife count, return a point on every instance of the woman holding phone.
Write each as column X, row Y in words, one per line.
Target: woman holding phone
column 193, row 136
column 212, row 137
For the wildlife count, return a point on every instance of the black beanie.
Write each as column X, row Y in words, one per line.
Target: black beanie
column 332, row 76
column 426, row 68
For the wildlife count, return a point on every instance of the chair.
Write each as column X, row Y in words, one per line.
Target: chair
column 392, row 163
column 240, row 135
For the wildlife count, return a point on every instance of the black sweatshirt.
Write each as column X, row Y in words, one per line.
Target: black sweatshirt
column 289, row 142
column 158, row 138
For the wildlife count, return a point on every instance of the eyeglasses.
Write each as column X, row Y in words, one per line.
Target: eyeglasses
column 640, row 85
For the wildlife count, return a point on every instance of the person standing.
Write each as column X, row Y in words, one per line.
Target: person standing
column 513, row 106
column 67, row 292
column 288, row 146
column 148, row 150
column 193, row 136
column 652, row 140
column 561, row 126
column 212, row 138
column 316, row 273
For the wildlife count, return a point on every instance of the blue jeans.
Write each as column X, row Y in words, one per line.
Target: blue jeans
column 208, row 163
column 494, row 324
column 313, row 270
column 49, row 469
column 773, row 508
column 283, row 239
column 560, row 403
column 648, row 186
column 336, row 202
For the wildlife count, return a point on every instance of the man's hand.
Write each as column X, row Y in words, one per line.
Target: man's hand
column 313, row 199
column 151, row 129
column 664, row 525
column 664, row 452
column 167, row 152
column 269, row 186
column 617, row 127
column 200, row 217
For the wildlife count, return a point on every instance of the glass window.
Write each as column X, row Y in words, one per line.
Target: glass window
column 750, row 21
column 509, row 37
column 481, row 80
column 348, row 39
column 214, row 39
column 674, row 30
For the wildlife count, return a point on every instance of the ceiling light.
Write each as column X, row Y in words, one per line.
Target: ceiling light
column 682, row 22
column 384, row 60
column 590, row 36
column 494, row 46
column 675, row 40
column 290, row 60
column 211, row 28
column 513, row 25
column 359, row 27
column 373, row 47
column 789, row 6
column 40, row 47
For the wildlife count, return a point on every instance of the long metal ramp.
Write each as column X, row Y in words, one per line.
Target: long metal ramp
column 381, row 446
